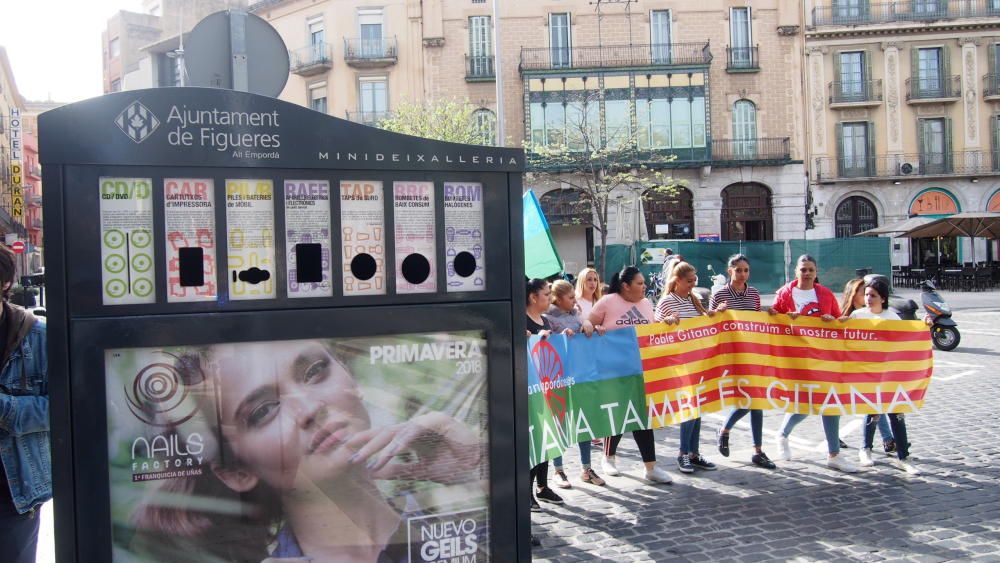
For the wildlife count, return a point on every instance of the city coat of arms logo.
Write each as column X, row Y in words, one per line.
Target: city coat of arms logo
column 137, row 122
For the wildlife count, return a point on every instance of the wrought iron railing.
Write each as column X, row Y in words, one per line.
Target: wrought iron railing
column 749, row 150
column 855, row 91
column 742, row 58
column 480, row 67
column 360, row 49
column 960, row 163
column 862, row 13
column 757, row 151
column 367, row 117
column 318, row 54
column 615, row 56
column 933, row 88
column 991, row 84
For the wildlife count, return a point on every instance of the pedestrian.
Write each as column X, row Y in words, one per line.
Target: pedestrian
column 876, row 299
column 538, row 297
column 564, row 316
column 588, row 291
column 25, row 466
column 625, row 305
column 805, row 296
column 678, row 302
column 738, row 295
column 853, row 300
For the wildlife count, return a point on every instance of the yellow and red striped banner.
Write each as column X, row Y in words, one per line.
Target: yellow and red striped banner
column 807, row 365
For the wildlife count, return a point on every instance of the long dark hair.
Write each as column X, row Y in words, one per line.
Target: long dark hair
column 533, row 286
column 627, row 274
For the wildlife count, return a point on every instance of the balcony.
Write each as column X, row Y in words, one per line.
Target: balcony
column 312, row 60
column 933, row 90
column 919, row 11
column 991, row 87
column 370, row 118
column 751, row 152
column 35, row 224
column 862, row 93
column 615, row 56
column 480, row 69
column 370, row 53
column 897, row 166
column 742, row 59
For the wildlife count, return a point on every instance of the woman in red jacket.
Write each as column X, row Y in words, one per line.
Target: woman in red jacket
column 805, row 296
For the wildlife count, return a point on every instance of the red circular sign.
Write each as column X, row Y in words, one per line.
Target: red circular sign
column 17, row 246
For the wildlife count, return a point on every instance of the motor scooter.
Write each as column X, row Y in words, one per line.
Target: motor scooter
column 944, row 329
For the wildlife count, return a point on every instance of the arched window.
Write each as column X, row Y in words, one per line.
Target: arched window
column 485, row 122
column 744, row 129
column 746, row 212
column 669, row 213
column 854, row 215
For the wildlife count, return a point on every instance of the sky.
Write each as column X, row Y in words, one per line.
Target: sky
column 54, row 46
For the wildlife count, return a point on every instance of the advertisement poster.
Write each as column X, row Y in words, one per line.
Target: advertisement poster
column 416, row 264
column 307, row 238
column 250, row 228
column 127, row 269
column 189, row 217
column 463, row 231
column 362, row 225
column 359, row 449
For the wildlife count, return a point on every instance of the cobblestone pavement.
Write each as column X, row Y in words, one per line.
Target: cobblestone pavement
column 805, row 511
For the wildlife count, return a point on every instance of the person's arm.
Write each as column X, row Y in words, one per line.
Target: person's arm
column 24, row 414
column 597, row 314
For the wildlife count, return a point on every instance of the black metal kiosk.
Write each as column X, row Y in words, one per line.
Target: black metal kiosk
column 273, row 333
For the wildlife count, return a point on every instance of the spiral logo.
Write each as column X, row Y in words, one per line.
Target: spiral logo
column 549, row 366
column 159, row 391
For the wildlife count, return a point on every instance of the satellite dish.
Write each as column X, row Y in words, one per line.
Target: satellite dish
column 236, row 50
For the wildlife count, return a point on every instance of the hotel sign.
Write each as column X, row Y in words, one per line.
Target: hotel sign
column 16, row 195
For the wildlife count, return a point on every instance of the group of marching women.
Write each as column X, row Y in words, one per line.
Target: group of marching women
column 563, row 308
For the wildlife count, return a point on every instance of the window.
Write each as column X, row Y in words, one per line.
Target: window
column 486, row 124
column 929, row 7
column 559, row 39
column 854, row 144
column 995, row 141
column 317, row 97
column 852, row 76
column 854, row 215
column 739, row 35
column 373, row 102
column 659, row 36
column 929, row 79
column 481, row 46
column 744, row 129
column 116, row 85
column 935, row 145
column 583, row 124
column 850, row 10
column 618, row 123
column 653, row 118
column 371, row 45
column 114, row 49
column 317, row 40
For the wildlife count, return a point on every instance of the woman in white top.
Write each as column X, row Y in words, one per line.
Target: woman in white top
column 876, row 299
column 588, row 291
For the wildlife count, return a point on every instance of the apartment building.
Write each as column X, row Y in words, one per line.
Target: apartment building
column 902, row 108
column 717, row 84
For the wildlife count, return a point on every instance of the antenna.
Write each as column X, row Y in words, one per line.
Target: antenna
column 600, row 16
column 179, row 52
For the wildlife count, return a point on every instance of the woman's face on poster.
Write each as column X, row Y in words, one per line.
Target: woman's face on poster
column 287, row 409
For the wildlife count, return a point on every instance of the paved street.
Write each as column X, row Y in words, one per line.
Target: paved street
column 805, row 511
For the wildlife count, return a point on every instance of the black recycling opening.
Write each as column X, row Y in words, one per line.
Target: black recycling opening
column 309, row 263
column 363, row 267
column 416, row 268
column 191, row 262
column 465, row 264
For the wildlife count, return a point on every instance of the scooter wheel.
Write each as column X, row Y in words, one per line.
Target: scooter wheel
column 945, row 338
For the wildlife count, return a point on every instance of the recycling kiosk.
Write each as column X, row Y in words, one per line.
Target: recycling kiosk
column 274, row 333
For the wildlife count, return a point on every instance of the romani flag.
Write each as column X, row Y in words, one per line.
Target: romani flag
column 541, row 259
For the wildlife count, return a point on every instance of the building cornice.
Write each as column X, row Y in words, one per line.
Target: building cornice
column 896, row 30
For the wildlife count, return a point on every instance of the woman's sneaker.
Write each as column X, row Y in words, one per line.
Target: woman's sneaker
column 723, row 441
column 684, row 463
column 548, row 495
column 561, row 480
column 841, row 463
column 761, row 460
column 657, row 475
column 865, row 457
column 784, row 450
column 590, row 476
column 699, row 462
column 906, row 466
column 610, row 466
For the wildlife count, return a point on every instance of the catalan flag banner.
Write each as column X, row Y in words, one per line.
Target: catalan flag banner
column 806, row 365
column 656, row 375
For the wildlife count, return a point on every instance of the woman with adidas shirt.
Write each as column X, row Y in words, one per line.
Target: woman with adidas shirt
column 679, row 303
column 738, row 295
column 626, row 305
column 805, row 296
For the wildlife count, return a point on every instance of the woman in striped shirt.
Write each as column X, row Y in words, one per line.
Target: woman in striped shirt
column 738, row 295
column 679, row 303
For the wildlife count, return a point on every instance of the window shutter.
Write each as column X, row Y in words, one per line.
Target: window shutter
column 865, row 8
column 866, row 74
column 870, row 148
column 914, row 71
column 839, row 88
column 948, row 157
column 922, row 143
column 992, row 53
column 946, row 86
column 840, row 150
column 994, row 142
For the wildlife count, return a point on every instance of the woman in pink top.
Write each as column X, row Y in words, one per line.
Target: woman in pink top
column 625, row 306
column 588, row 291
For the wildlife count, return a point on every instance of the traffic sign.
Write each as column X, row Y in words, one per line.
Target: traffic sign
column 17, row 246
